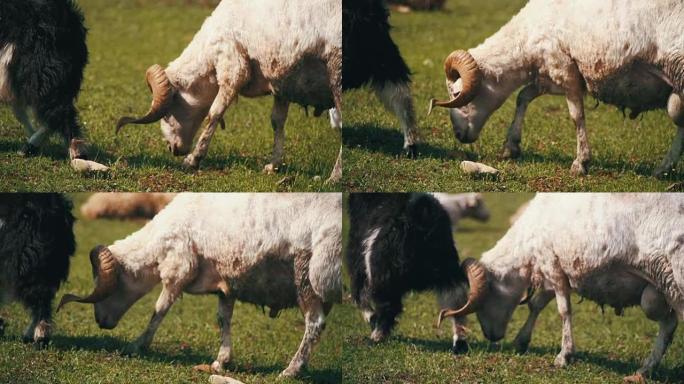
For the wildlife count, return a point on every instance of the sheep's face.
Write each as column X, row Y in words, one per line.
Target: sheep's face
column 467, row 121
column 129, row 289
column 496, row 310
column 182, row 121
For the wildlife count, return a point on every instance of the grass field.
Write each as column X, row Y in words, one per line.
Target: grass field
column 609, row 347
column 625, row 152
column 125, row 38
column 80, row 352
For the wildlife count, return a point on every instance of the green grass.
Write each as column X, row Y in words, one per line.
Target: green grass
column 609, row 347
column 125, row 37
column 625, row 152
column 80, row 352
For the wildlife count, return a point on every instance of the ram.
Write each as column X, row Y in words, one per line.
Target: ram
column 36, row 242
column 42, row 56
column 273, row 250
column 627, row 54
column 463, row 205
column 400, row 243
column 619, row 250
column 371, row 57
column 296, row 56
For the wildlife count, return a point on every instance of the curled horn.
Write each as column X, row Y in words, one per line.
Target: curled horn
column 162, row 90
column 460, row 64
column 105, row 267
column 477, row 278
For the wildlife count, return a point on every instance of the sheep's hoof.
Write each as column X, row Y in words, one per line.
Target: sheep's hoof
column 635, row 378
column 131, row 350
column 578, row 168
column 411, row 151
column 290, row 372
column 28, row 150
column 218, row 367
column 41, row 343
column 561, row 361
column 664, row 171
column 460, row 347
column 521, row 346
column 511, row 152
column 191, row 163
column 270, row 169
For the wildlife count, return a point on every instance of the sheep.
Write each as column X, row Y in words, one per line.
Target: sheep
column 616, row 249
column 296, row 56
column 463, row 205
column 273, row 250
column 625, row 54
column 369, row 56
column 36, row 242
column 400, row 243
column 42, row 56
column 125, row 205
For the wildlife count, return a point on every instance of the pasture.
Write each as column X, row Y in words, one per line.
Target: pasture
column 80, row 352
column 125, row 38
column 625, row 152
column 609, row 347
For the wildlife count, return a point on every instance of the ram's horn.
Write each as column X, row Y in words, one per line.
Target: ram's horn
column 105, row 267
column 162, row 92
column 460, row 64
column 477, row 278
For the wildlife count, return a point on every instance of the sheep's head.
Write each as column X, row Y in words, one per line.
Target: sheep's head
column 181, row 111
column 115, row 290
column 492, row 301
column 472, row 101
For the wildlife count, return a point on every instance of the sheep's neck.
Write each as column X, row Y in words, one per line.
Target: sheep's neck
column 135, row 252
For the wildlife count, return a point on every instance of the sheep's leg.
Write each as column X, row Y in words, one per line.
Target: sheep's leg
column 62, row 119
column 675, row 108
column 396, row 97
column 232, row 73
column 562, row 292
column 39, row 303
column 336, row 173
column 455, row 298
column 536, row 304
column 656, row 308
column 225, row 314
column 314, row 323
column 511, row 149
column 278, row 117
column 335, row 118
column 2, row 327
column 21, row 113
column 166, row 299
column 575, row 100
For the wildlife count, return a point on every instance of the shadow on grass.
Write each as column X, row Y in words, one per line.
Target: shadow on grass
column 386, row 140
column 186, row 357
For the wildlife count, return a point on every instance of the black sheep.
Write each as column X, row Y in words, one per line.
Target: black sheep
column 42, row 55
column 400, row 243
column 369, row 56
column 36, row 242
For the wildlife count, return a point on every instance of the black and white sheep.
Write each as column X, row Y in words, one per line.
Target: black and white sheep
column 36, row 241
column 369, row 56
column 400, row 243
column 42, row 56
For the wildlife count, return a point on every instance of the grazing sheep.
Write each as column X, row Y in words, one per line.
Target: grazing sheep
column 36, row 241
column 371, row 57
column 463, row 205
column 42, row 55
column 400, row 243
column 296, row 56
column 125, row 205
column 616, row 249
column 274, row 250
column 627, row 54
